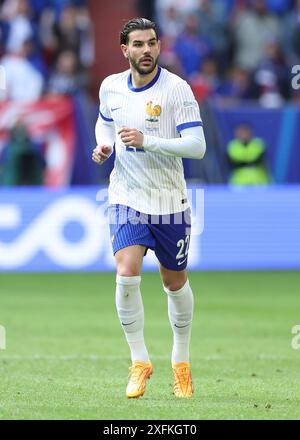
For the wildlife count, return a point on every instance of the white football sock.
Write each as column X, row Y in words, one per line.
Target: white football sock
column 180, row 310
column 131, row 314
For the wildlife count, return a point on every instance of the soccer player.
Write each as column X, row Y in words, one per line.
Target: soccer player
column 151, row 118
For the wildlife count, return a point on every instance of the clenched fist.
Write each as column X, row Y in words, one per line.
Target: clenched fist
column 131, row 137
column 101, row 153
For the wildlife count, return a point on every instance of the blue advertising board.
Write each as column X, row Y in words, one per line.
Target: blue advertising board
column 67, row 230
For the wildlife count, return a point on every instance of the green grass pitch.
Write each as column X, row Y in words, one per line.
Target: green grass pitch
column 66, row 355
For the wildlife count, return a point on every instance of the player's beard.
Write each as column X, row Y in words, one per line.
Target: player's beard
column 143, row 70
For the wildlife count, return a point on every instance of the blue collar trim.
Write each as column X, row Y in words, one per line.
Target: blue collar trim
column 147, row 86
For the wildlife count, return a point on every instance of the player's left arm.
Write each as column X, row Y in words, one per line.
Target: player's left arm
column 191, row 144
column 188, row 122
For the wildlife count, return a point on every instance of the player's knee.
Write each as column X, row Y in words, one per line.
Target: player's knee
column 173, row 287
column 174, row 282
column 127, row 270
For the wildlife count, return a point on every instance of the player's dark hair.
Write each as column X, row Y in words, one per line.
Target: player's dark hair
column 136, row 24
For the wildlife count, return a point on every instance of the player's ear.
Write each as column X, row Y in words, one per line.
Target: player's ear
column 158, row 44
column 124, row 49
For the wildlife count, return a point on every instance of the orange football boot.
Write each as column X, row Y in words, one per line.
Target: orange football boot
column 183, row 385
column 139, row 372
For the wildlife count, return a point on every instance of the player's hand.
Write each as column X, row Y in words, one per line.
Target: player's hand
column 101, row 153
column 131, row 137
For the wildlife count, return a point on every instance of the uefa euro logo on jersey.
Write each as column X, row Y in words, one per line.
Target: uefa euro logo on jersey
column 152, row 120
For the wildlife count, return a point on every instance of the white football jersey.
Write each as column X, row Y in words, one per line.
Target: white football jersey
column 149, row 182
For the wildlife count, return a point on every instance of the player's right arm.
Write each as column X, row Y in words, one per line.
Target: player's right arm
column 104, row 130
column 105, row 137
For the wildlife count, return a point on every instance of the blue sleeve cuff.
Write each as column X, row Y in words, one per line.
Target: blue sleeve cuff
column 104, row 118
column 188, row 125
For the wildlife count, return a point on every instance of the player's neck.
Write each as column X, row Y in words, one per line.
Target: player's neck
column 139, row 81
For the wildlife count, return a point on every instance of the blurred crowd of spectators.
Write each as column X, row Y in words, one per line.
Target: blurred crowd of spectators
column 232, row 50
column 46, row 47
column 229, row 50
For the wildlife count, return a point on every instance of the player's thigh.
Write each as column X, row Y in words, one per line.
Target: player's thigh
column 172, row 279
column 129, row 260
column 171, row 249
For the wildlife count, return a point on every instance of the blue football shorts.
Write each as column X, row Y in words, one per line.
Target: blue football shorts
column 167, row 235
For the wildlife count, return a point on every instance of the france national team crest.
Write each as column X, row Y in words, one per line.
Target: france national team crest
column 152, row 118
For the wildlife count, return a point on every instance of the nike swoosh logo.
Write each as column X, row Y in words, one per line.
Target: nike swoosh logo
column 114, row 109
column 181, row 326
column 128, row 323
column 181, row 262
